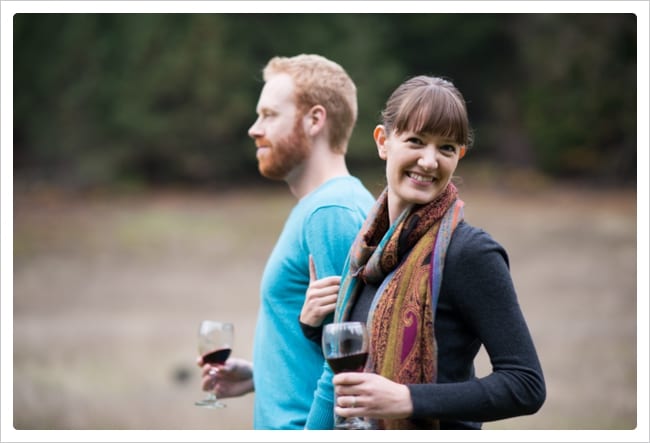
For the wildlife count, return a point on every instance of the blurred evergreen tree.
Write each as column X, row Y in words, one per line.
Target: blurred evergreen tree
column 579, row 94
column 168, row 98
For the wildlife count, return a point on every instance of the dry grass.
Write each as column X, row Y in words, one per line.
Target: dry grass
column 109, row 291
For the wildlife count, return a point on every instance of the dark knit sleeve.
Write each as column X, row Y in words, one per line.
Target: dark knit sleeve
column 478, row 295
column 313, row 333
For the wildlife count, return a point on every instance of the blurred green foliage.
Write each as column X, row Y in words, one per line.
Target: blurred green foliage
column 105, row 99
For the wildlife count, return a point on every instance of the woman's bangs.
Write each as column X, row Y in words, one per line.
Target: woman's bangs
column 434, row 111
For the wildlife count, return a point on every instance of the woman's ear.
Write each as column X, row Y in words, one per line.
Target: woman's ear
column 379, row 134
column 315, row 119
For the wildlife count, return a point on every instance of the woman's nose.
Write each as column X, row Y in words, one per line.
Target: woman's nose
column 428, row 158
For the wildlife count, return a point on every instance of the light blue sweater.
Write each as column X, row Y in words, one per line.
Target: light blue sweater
column 287, row 365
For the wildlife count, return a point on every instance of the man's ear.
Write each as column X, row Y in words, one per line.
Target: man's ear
column 379, row 134
column 315, row 119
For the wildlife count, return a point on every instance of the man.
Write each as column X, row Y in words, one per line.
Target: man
column 305, row 116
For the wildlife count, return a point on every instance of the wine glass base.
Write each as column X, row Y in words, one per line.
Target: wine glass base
column 210, row 404
column 353, row 423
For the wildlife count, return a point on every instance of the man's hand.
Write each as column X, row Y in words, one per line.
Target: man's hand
column 232, row 379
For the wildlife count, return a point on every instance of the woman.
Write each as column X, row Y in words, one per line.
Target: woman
column 431, row 288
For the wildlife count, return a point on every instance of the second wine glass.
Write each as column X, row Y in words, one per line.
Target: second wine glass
column 345, row 347
column 215, row 345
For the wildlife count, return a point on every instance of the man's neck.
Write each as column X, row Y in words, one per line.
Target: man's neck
column 316, row 170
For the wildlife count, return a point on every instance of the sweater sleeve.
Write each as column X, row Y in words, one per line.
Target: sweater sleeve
column 321, row 415
column 329, row 233
column 477, row 285
column 313, row 333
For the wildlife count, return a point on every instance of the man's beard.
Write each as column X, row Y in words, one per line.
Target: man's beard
column 286, row 154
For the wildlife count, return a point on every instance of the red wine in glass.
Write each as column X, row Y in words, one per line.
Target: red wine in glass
column 345, row 347
column 348, row 363
column 215, row 344
column 217, row 357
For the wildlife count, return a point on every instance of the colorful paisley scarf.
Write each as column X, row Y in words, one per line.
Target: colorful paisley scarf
column 406, row 259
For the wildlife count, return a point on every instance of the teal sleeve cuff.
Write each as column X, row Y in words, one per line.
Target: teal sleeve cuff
column 321, row 418
column 321, row 415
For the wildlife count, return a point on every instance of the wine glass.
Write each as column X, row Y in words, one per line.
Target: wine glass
column 345, row 347
column 215, row 345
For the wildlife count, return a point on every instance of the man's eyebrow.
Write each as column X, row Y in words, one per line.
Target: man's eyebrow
column 265, row 108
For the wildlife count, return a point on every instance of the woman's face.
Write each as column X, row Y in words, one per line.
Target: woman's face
column 418, row 166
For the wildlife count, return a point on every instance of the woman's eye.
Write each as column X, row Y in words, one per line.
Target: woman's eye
column 448, row 148
column 414, row 140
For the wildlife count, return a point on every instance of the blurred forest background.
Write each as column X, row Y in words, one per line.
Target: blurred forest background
column 139, row 209
column 146, row 99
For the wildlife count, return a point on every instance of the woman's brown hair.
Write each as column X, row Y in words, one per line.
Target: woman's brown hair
column 431, row 105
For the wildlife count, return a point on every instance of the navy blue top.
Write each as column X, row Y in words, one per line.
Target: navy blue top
column 477, row 306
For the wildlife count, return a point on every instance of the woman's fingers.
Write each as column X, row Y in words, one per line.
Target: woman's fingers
column 326, row 282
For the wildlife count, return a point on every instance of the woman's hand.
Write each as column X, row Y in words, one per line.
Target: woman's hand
column 320, row 298
column 360, row 394
column 232, row 379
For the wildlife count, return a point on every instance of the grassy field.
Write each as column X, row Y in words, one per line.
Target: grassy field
column 109, row 291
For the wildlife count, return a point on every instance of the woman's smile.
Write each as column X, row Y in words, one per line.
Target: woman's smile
column 420, row 179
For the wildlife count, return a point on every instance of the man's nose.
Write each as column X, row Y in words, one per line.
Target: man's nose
column 255, row 131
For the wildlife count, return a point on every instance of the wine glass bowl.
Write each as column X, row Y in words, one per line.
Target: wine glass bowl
column 215, row 346
column 345, row 347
